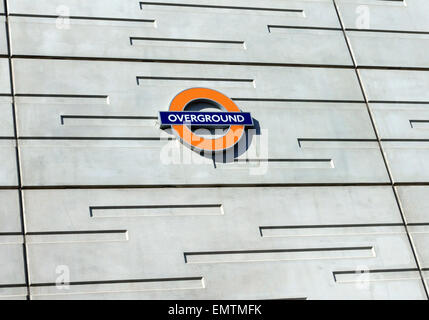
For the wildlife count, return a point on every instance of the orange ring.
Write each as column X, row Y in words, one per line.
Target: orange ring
column 225, row 142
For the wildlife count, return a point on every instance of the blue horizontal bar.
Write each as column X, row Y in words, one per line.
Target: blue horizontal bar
column 168, row 118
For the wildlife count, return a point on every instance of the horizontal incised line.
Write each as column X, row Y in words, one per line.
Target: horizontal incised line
column 184, row 61
column 280, row 160
column 68, row 96
column 302, row 140
column 375, row 275
column 5, row 286
column 333, row 226
column 77, row 236
column 84, row 283
column 404, row 140
column 82, row 18
column 330, row 230
column 398, row 102
column 118, row 286
column 193, row 79
column 213, row 62
column 99, row 138
column 155, row 210
column 296, row 100
column 208, row 43
column 280, row 27
column 6, row 234
column 387, row 31
column 80, row 119
column 183, row 5
column 419, row 124
column 45, row 233
column 207, row 185
column 279, row 255
column 285, row 163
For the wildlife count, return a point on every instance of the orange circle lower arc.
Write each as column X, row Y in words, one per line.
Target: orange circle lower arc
column 227, row 141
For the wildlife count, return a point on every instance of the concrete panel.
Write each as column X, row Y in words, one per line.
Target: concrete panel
column 153, row 85
column 420, row 236
column 43, row 116
column 10, row 221
column 11, row 263
column 408, row 160
column 124, row 224
column 415, row 203
column 4, row 76
column 409, row 15
column 147, row 40
column 401, row 121
column 390, row 49
column 8, row 171
column 317, row 13
column 6, row 117
column 288, row 121
column 1, row 8
column 396, row 85
column 64, row 163
column 3, row 40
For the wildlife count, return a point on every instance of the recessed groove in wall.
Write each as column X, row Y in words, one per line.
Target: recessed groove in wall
column 330, row 230
column 77, row 236
column 419, row 124
column 337, row 144
column 418, row 224
column 376, row 275
column 152, row 80
column 282, row 163
column 398, row 102
column 279, row 255
column 387, row 31
column 99, row 138
column 156, row 210
column 152, row 21
column 309, row 142
column 300, row 12
column 191, row 186
column 294, row 298
column 192, row 43
column 398, row 68
column 62, row 98
column 404, row 140
column 5, row 286
column 119, row 286
column 87, row 120
column 9, row 187
column 88, row 283
column 173, row 61
column 282, row 28
column 296, row 100
column 3, row 234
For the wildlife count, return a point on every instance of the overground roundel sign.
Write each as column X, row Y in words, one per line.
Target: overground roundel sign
column 180, row 119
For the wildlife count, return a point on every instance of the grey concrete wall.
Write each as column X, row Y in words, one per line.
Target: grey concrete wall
column 333, row 204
